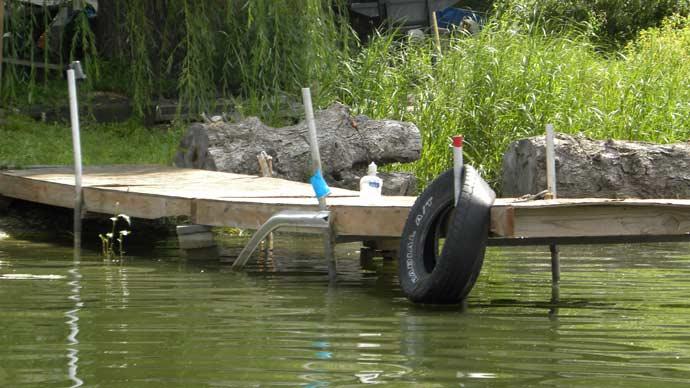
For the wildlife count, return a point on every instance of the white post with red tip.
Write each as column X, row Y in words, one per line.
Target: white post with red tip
column 457, row 166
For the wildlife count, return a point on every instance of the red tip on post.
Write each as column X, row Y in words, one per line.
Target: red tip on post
column 457, row 141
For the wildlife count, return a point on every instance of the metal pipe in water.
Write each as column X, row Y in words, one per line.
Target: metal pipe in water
column 317, row 178
column 551, row 186
column 319, row 184
column 76, row 144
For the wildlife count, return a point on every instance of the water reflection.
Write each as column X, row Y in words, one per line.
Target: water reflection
column 158, row 321
column 73, row 321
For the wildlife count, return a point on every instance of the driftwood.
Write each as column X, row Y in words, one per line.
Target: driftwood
column 347, row 145
column 599, row 169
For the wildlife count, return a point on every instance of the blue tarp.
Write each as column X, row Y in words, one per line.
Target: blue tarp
column 450, row 16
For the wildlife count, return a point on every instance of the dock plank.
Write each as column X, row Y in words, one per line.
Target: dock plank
column 206, row 197
column 591, row 217
column 224, row 199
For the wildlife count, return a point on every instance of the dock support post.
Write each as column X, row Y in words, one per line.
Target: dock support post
column 197, row 241
column 309, row 219
column 73, row 73
column 551, row 186
column 318, row 183
column 329, row 250
column 555, row 264
column 457, row 167
column 266, row 170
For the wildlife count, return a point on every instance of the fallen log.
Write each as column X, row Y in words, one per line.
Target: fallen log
column 347, row 145
column 598, row 169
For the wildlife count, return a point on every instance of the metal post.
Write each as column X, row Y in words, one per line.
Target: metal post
column 317, row 178
column 329, row 249
column 313, row 141
column 457, row 167
column 76, row 144
column 551, row 186
column 555, row 264
column 437, row 37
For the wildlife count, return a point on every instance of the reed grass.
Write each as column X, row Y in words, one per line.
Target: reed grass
column 510, row 80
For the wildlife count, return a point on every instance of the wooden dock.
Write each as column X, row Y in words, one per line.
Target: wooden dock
column 223, row 199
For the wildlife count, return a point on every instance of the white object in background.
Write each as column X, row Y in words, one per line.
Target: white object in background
column 370, row 184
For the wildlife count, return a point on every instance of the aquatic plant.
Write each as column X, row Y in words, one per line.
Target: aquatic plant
column 112, row 243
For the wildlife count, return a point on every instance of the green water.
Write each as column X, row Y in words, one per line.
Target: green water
column 623, row 319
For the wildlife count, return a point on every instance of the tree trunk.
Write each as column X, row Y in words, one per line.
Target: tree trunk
column 347, row 145
column 599, row 169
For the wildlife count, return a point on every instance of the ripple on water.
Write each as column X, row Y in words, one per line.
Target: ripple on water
column 620, row 316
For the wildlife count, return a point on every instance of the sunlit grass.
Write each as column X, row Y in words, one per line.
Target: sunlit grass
column 508, row 82
column 26, row 142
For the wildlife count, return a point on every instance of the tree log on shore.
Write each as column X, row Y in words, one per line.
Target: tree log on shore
column 598, row 169
column 347, row 145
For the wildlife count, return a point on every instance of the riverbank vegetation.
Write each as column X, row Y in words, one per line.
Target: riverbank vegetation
column 26, row 142
column 585, row 66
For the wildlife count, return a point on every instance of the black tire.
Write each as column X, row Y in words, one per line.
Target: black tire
column 427, row 276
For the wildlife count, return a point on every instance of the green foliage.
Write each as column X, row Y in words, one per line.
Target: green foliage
column 507, row 83
column 30, row 39
column 193, row 51
column 27, row 142
column 533, row 64
column 258, row 50
column 612, row 21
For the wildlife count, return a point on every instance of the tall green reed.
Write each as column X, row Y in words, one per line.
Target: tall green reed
column 513, row 78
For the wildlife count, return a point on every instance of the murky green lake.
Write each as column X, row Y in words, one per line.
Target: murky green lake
column 623, row 319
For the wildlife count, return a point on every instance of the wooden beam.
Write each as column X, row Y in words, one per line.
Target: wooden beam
column 590, row 218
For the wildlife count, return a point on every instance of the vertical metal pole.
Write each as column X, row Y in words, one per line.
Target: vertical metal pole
column 76, row 143
column 328, row 240
column 555, row 264
column 437, row 37
column 457, row 167
column 329, row 249
column 313, row 141
column 551, row 186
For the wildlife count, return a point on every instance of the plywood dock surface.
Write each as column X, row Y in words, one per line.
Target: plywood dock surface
column 223, row 199
column 206, row 197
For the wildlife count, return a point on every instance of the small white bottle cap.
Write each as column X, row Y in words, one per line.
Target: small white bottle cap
column 372, row 169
